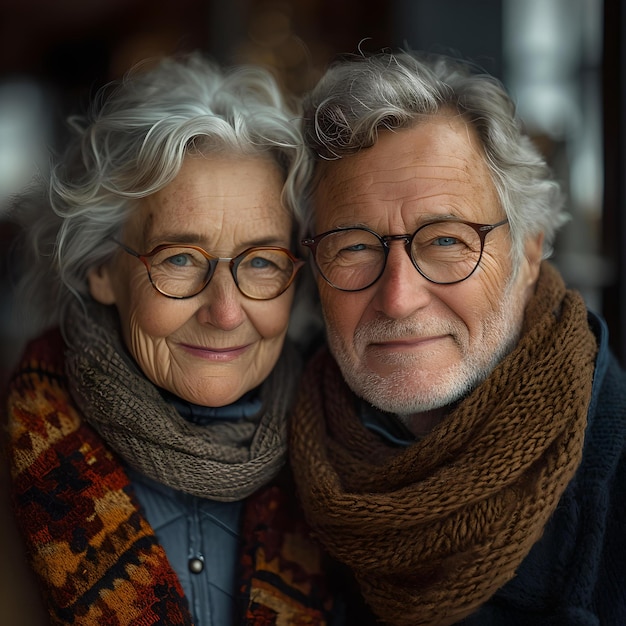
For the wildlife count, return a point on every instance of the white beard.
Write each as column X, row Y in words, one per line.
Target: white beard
column 408, row 389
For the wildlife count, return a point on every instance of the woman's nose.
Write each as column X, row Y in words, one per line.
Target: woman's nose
column 221, row 300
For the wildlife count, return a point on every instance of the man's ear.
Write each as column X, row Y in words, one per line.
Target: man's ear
column 100, row 284
column 533, row 252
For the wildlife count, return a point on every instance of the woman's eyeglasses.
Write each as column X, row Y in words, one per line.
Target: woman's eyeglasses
column 260, row 273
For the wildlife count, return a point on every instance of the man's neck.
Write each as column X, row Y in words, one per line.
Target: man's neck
column 420, row 424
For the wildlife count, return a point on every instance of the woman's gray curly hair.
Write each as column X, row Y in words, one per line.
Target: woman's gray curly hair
column 361, row 95
column 131, row 144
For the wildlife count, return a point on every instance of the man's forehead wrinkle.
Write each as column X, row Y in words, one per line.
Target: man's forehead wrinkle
column 433, row 171
column 437, row 181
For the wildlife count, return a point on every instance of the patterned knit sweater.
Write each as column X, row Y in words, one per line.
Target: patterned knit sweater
column 97, row 558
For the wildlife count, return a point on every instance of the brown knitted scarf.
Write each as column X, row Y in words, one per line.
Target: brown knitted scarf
column 433, row 530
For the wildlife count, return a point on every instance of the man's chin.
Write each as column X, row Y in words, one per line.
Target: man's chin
column 409, row 405
column 407, row 393
column 397, row 397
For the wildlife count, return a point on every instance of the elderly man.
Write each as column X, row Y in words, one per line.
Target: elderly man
column 460, row 444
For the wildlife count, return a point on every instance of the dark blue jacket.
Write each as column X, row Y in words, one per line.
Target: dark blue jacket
column 575, row 575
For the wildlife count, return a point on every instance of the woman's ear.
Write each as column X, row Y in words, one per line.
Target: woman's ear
column 101, row 285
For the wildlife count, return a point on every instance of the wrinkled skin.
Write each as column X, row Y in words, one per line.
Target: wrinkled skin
column 406, row 345
column 214, row 347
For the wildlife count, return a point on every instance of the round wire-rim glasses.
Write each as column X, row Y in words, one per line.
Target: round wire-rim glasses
column 284, row 277
column 470, row 255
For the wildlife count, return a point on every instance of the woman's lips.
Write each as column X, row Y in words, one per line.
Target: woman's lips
column 221, row 355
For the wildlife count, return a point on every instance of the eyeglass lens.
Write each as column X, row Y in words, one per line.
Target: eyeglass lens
column 183, row 272
column 444, row 252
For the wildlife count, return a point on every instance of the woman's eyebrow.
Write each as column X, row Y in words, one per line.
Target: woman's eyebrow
column 195, row 239
column 178, row 237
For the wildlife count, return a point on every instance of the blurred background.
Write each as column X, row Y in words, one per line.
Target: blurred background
column 563, row 60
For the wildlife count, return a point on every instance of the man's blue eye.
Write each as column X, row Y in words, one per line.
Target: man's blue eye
column 445, row 241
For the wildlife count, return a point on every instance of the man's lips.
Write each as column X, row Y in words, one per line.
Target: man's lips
column 406, row 342
column 215, row 354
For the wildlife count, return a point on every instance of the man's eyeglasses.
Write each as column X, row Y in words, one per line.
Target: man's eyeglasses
column 443, row 252
column 260, row 273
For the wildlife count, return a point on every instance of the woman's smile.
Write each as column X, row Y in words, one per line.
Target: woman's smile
column 221, row 355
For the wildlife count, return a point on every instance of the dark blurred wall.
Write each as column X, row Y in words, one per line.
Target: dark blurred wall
column 614, row 215
column 470, row 29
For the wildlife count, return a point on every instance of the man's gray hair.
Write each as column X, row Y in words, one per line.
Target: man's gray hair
column 361, row 95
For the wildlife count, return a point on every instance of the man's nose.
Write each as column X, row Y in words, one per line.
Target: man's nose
column 401, row 290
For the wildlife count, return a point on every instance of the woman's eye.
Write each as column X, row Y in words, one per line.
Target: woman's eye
column 259, row 263
column 179, row 260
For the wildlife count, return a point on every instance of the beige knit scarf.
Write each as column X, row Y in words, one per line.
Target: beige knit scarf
column 225, row 461
column 433, row 530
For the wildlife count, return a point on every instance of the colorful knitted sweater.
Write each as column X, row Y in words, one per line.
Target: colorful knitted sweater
column 97, row 558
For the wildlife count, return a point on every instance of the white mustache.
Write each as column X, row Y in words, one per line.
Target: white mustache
column 382, row 330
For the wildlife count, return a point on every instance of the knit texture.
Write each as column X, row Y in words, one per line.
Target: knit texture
column 283, row 572
column 227, row 461
column 98, row 560
column 574, row 575
column 432, row 531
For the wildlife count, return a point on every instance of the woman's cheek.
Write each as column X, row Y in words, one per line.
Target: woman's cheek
column 145, row 328
column 151, row 313
column 150, row 349
column 274, row 319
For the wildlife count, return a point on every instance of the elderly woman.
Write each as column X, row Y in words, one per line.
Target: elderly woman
column 147, row 424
